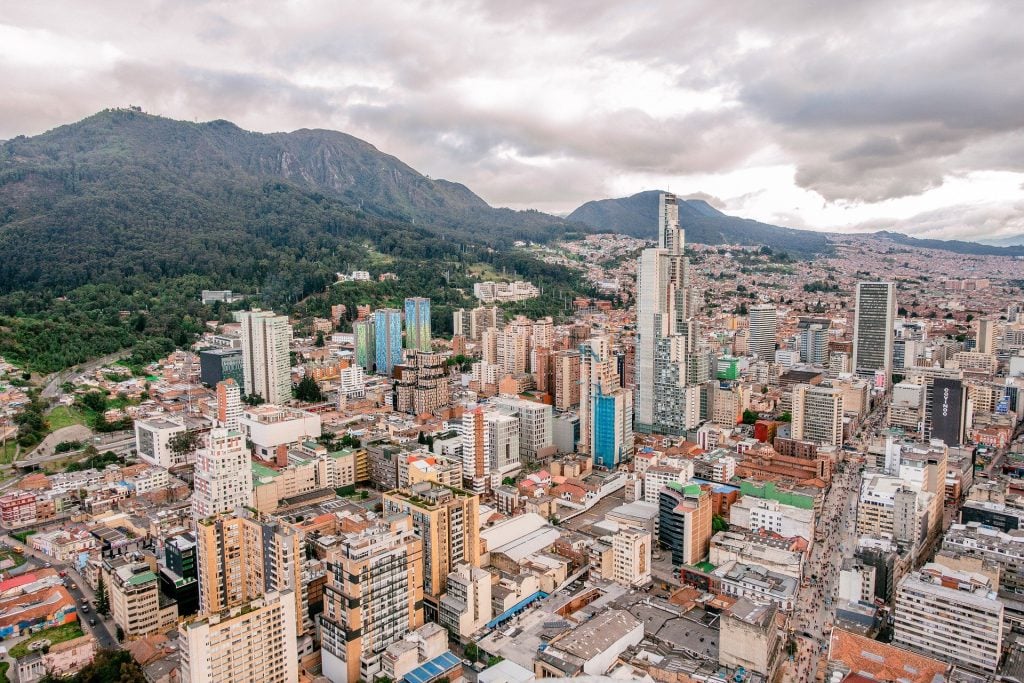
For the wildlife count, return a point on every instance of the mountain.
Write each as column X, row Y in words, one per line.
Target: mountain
column 637, row 215
column 123, row 192
column 1011, row 241
column 956, row 246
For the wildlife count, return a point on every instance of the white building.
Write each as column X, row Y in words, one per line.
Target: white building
column 786, row 520
column 252, row 643
column 657, row 476
column 503, row 442
column 763, row 323
column 466, row 606
column 153, row 441
column 223, row 476
column 817, row 414
column 265, row 354
column 950, row 615
column 268, row 426
column 631, row 557
column 535, row 425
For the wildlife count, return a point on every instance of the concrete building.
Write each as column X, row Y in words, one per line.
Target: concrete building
column 153, row 441
column 631, row 557
column 684, row 522
column 950, row 615
column 598, row 377
column 535, row 426
column 763, row 322
column 503, row 443
column 476, row 455
column 447, row 521
column 657, row 477
column 757, row 584
column 1005, row 549
column 217, row 365
column 223, row 477
column 229, row 405
column 566, row 389
column 250, row 643
column 268, row 427
column 750, row 639
column 817, row 414
column 265, row 354
column 874, row 318
column 591, row 647
column 422, row 383
column 373, row 598
column 466, row 605
column 756, row 514
column 135, row 605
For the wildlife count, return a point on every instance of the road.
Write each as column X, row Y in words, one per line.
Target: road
column 121, row 443
column 52, row 388
column 81, row 593
column 817, row 601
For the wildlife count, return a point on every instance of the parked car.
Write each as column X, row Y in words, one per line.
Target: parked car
column 92, row 622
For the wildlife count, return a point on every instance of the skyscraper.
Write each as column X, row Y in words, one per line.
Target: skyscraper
column 611, row 432
column 666, row 334
column 597, row 375
column 365, row 345
column 223, row 474
column 817, row 414
column 763, row 320
column 387, row 325
column 417, row 324
column 873, row 324
column 476, row 458
column 812, row 340
column 265, row 354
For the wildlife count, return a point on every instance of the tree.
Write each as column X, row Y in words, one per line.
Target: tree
column 472, row 652
column 184, row 443
column 102, row 601
column 95, row 401
column 718, row 523
column 786, row 417
column 308, row 391
column 319, row 339
column 253, row 400
column 749, row 417
column 120, row 633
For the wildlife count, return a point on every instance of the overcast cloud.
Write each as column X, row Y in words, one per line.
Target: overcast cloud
column 834, row 116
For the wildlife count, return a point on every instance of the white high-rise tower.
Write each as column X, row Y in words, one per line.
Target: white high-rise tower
column 265, row 354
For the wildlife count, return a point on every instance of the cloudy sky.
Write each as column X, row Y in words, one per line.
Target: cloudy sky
column 831, row 115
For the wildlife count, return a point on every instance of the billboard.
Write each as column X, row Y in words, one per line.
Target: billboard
column 947, row 410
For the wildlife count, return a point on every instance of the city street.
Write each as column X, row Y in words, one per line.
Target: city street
column 815, row 612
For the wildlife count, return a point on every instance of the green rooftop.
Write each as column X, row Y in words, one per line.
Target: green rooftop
column 139, row 579
column 260, row 471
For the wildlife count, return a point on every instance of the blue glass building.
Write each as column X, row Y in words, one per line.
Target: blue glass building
column 387, row 325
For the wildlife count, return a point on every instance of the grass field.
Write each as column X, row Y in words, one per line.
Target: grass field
column 65, row 416
column 8, row 452
column 57, row 634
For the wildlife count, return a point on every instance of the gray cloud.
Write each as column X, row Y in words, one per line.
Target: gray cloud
column 534, row 103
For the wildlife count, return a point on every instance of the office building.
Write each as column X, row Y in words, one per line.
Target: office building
column 466, row 605
column 991, row 545
column 874, row 318
column 611, row 433
column 985, row 336
column 254, row 642
column 447, row 521
column 757, row 584
column 265, row 355
column 535, row 426
column 950, row 615
column 817, row 414
column 373, row 598
column 761, row 340
column 365, row 341
column 223, row 476
column 750, row 639
column 417, row 324
column 503, row 443
column 387, row 326
column 217, row 365
column 135, row 605
column 812, row 340
column 684, row 522
column 597, row 376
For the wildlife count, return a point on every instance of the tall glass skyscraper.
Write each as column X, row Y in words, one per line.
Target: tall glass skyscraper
column 417, row 323
column 873, row 324
column 387, row 324
column 365, row 343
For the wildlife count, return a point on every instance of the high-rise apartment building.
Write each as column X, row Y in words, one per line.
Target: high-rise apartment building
column 476, row 456
column 254, row 642
column 567, row 379
column 243, row 556
column 513, row 347
column 812, row 340
column 447, row 521
column 666, row 333
column 223, row 474
column 817, row 414
column 387, row 326
column 365, row 344
column 631, row 557
column 874, row 319
column 417, row 324
column 761, row 340
column 265, row 354
column 503, row 442
column 985, row 336
column 372, row 599
column 466, row 606
column 229, row 405
column 422, row 383
column 535, row 425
